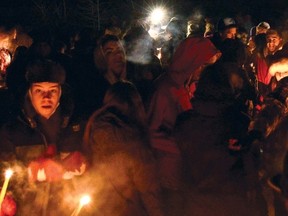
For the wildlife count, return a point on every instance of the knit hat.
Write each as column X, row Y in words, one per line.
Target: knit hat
column 45, row 71
column 226, row 23
column 264, row 25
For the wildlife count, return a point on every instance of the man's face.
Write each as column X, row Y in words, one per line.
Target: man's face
column 229, row 33
column 115, row 57
column 45, row 97
column 273, row 42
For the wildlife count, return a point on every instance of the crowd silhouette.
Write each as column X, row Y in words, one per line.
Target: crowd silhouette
column 192, row 122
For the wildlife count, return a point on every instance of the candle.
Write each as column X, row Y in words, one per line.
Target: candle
column 8, row 175
column 83, row 201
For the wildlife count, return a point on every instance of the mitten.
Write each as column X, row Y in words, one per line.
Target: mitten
column 74, row 164
column 8, row 207
column 45, row 170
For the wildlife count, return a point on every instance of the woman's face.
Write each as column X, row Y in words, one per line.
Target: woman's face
column 45, row 97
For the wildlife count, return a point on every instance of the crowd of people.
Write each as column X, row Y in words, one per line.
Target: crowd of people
column 199, row 131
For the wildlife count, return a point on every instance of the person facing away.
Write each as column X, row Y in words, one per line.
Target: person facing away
column 172, row 96
column 42, row 144
column 123, row 171
column 214, row 182
column 268, row 138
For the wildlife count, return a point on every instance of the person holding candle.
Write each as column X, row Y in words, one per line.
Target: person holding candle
column 45, row 140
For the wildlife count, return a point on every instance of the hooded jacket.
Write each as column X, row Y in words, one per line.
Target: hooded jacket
column 170, row 97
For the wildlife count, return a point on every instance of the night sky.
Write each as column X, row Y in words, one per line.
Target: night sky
column 19, row 11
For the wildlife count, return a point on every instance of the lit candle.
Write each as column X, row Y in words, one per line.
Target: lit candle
column 83, row 201
column 8, row 175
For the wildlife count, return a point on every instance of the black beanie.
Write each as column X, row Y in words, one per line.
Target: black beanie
column 45, row 71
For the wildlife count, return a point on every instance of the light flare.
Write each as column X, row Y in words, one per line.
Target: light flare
column 8, row 175
column 157, row 15
column 279, row 69
column 84, row 200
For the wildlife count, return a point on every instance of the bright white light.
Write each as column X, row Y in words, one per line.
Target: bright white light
column 157, row 15
column 8, row 173
column 85, row 200
column 153, row 33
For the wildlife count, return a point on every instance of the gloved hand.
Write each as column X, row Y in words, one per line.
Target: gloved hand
column 8, row 207
column 45, row 169
column 74, row 164
column 51, row 151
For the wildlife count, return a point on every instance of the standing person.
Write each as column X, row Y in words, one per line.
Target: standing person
column 110, row 62
column 170, row 98
column 123, row 171
column 268, row 135
column 43, row 141
column 267, row 44
column 218, row 179
column 226, row 28
column 259, row 62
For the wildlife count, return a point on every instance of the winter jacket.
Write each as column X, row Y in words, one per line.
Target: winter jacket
column 171, row 97
column 29, row 138
column 122, row 177
column 217, row 181
column 271, row 124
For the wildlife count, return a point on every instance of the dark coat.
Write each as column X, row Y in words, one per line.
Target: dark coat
column 123, row 168
column 271, row 125
column 211, row 173
column 27, row 138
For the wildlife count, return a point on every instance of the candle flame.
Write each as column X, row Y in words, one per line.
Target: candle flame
column 8, row 173
column 85, row 200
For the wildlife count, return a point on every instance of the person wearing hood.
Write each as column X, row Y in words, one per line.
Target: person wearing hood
column 171, row 97
column 43, row 143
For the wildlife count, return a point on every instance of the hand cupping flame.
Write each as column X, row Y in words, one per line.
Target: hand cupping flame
column 46, row 169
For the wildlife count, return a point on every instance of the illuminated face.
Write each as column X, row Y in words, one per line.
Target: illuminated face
column 273, row 42
column 229, row 33
column 45, row 97
column 115, row 58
